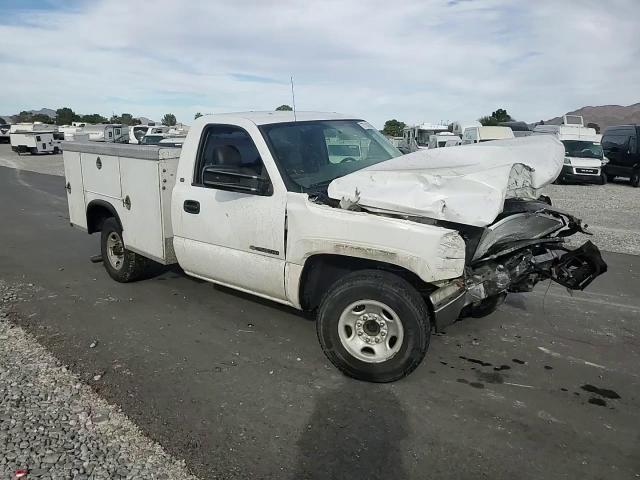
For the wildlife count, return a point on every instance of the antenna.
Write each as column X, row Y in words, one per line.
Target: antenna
column 293, row 99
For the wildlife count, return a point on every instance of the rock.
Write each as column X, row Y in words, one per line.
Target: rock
column 51, row 458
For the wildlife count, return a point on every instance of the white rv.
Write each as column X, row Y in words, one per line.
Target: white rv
column 417, row 137
column 112, row 133
column 458, row 127
column 485, row 134
column 444, row 139
column 584, row 157
column 34, row 138
column 137, row 132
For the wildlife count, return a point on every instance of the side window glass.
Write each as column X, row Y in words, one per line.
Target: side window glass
column 229, row 158
column 633, row 145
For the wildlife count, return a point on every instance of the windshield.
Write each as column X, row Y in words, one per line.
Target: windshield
column 582, row 149
column 312, row 154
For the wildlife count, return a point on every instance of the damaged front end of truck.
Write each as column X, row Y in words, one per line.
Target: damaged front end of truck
column 490, row 195
column 524, row 246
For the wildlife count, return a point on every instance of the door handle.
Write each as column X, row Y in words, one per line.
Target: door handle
column 191, row 206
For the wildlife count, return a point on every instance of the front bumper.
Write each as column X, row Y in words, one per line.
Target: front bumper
column 580, row 175
column 517, row 271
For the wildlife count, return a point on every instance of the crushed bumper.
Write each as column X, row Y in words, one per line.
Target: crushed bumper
column 517, row 271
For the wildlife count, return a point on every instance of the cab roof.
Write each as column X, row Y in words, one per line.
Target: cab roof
column 265, row 118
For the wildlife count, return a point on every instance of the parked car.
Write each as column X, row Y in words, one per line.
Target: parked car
column 620, row 146
column 4, row 132
column 253, row 201
column 35, row 138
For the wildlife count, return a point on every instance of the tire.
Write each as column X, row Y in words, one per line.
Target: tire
column 635, row 179
column 603, row 179
column 485, row 307
column 393, row 298
column 130, row 266
column 33, row 151
column 15, row 149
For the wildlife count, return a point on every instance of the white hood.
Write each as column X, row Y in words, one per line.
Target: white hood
column 466, row 184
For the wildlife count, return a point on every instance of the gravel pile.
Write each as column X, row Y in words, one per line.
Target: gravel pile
column 612, row 212
column 57, row 427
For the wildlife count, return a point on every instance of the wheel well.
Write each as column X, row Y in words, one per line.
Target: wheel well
column 97, row 212
column 322, row 271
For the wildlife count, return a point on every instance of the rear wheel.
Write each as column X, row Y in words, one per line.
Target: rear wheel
column 121, row 264
column 374, row 326
column 635, row 179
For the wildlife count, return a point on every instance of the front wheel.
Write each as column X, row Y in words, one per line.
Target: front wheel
column 603, row 178
column 121, row 264
column 635, row 179
column 374, row 326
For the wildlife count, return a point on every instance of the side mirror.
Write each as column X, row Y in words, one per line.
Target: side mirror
column 215, row 177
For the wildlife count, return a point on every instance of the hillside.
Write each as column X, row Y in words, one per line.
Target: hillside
column 605, row 115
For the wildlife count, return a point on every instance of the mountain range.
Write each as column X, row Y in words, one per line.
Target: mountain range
column 605, row 115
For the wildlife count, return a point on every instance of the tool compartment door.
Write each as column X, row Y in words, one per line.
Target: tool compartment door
column 75, row 189
column 101, row 174
column 141, row 216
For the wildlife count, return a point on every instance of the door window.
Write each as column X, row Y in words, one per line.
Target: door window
column 228, row 155
column 633, row 145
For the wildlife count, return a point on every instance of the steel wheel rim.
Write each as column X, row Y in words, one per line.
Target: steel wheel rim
column 115, row 250
column 371, row 331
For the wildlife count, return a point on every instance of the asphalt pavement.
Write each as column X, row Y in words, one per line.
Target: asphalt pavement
column 547, row 387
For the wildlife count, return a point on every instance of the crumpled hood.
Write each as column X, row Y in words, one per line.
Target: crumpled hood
column 466, row 184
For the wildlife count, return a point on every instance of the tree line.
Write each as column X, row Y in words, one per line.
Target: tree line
column 66, row 116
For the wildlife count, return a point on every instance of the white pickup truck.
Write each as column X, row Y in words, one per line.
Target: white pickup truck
column 383, row 247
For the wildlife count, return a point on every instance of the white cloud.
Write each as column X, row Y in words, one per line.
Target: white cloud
column 414, row 60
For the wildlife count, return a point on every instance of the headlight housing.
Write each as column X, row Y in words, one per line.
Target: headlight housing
column 567, row 161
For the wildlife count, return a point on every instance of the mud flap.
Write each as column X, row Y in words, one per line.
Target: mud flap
column 578, row 268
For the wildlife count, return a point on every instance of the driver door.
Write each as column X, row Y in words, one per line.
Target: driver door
column 225, row 233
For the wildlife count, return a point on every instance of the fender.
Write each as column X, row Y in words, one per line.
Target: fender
column 431, row 252
column 97, row 212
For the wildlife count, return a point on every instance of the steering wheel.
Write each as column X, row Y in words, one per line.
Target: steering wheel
column 347, row 159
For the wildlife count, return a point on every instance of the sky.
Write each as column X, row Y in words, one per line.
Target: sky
column 414, row 60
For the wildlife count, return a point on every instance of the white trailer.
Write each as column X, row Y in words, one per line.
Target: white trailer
column 444, row 139
column 417, row 136
column 112, row 133
column 459, row 126
column 34, row 138
column 485, row 134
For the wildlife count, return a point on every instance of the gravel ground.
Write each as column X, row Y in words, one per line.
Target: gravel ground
column 611, row 211
column 57, row 427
